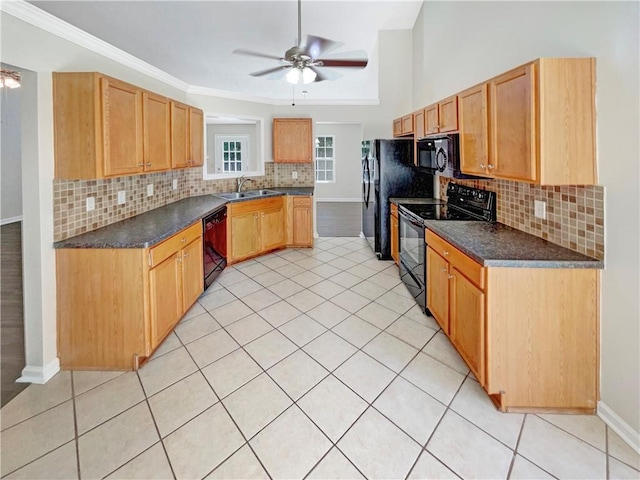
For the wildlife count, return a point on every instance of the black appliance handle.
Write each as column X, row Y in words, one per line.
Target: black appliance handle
column 367, row 183
column 410, row 219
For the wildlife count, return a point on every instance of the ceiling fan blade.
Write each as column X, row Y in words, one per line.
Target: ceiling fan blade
column 242, row 51
column 319, row 75
column 316, row 46
column 343, row 62
column 269, row 71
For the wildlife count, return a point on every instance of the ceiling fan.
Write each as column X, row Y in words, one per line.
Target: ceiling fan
column 302, row 62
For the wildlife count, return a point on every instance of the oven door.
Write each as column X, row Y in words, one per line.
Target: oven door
column 412, row 254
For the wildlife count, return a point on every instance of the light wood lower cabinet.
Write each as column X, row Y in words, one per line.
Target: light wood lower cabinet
column 254, row 227
column 530, row 335
column 115, row 306
column 393, row 221
column 299, row 227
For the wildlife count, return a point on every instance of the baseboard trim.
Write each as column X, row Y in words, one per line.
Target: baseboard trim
column 40, row 375
column 618, row 425
column 7, row 221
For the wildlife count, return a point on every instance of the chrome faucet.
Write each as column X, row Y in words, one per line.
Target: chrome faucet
column 242, row 180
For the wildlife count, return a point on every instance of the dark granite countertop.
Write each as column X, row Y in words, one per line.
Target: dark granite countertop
column 150, row 228
column 498, row 245
column 417, row 201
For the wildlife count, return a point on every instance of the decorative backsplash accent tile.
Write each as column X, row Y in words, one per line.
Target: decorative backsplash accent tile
column 575, row 214
column 70, row 217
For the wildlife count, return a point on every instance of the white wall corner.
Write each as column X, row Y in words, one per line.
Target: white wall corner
column 40, row 375
column 618, row 425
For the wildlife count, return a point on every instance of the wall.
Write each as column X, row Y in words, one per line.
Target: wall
column 347, row 153
column 501, row 35
column 10, row 156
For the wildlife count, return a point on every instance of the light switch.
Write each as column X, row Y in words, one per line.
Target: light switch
column 122, row 197
column 294, row 175
column 91, row 203
column 175, row 183
column 540, row 209
column 150, row 190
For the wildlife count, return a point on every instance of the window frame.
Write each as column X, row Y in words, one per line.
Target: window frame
column 332, row 158
column 245, row 149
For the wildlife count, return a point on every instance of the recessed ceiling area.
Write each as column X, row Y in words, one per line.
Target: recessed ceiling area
column 194, row 40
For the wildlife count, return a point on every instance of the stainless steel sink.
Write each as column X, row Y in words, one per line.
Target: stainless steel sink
column 248, row 194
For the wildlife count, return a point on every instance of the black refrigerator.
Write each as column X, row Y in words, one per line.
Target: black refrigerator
column 388, row 171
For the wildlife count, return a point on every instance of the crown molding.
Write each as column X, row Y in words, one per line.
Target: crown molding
column 39, row 18
column 212, row 92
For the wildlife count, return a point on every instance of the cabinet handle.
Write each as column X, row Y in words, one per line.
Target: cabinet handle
column 185, row 255
column 148, row 164
column 482, row 166
column 141, row 164
column 179, row 259
column 445, row 253
column 449, row 277
column 443, row 269
column 183, row 240
column 491, row 167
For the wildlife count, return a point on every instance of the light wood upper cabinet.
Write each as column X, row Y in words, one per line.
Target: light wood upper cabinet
column 473, row 116
column 156, row 114
column 418, row 124
column 299, row 221
column 403, row 126
column 104, row 127
column 513, row 145
column 196, row 137
column 187, row 136
column 115, row 306
column 441, row 117
column 514, row 352
column 292, row 140
column 541, row 124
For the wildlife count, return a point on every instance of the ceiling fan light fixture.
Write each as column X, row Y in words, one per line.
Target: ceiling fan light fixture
column 9, row 78
column 298, row 76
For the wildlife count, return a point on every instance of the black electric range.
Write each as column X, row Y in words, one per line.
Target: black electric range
column 464, row 203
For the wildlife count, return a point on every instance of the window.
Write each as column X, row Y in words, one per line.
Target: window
column 232, row 153
column 325, row 159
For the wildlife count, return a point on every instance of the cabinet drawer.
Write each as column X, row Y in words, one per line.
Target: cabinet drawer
column 301, row 201
column 248, row 206
column 464, row 264
column 172, row 244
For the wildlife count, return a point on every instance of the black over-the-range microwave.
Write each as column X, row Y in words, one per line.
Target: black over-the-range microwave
column 441, row 155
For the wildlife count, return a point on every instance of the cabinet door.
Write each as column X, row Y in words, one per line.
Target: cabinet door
column 122, row 128
column 179, row 135
column 474, row 131
column 438, row 288
column 196, row 137
column 302, row 227
column 292, row 140
column 407, row 124
column 448, row 114
column 192, row 273
column 244, row 236
column 156, row 115
column 513, row 144
column 431, row 119
column 165, row 297
column 394, row 238
column 467, row 322
column 418, row 124
column 272, row 229
column 397, row 127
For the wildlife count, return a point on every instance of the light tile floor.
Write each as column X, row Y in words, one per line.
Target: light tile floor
column 302, row 363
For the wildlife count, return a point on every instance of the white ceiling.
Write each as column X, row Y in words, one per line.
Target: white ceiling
column 193, row 40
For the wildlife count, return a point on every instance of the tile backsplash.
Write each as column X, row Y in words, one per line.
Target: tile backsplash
column 575, row 214
column 70, row 217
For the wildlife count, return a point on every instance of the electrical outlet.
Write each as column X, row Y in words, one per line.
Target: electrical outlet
column 540, row 209
column 122, row 197
column 91, row 203
column 175, row 183
column 294, row 175
column 150, row 190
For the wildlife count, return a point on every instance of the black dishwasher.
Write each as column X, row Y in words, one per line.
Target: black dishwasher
column 214, row 245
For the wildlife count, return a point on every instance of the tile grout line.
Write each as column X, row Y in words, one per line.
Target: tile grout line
column 75, row 425
column 515, row 449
